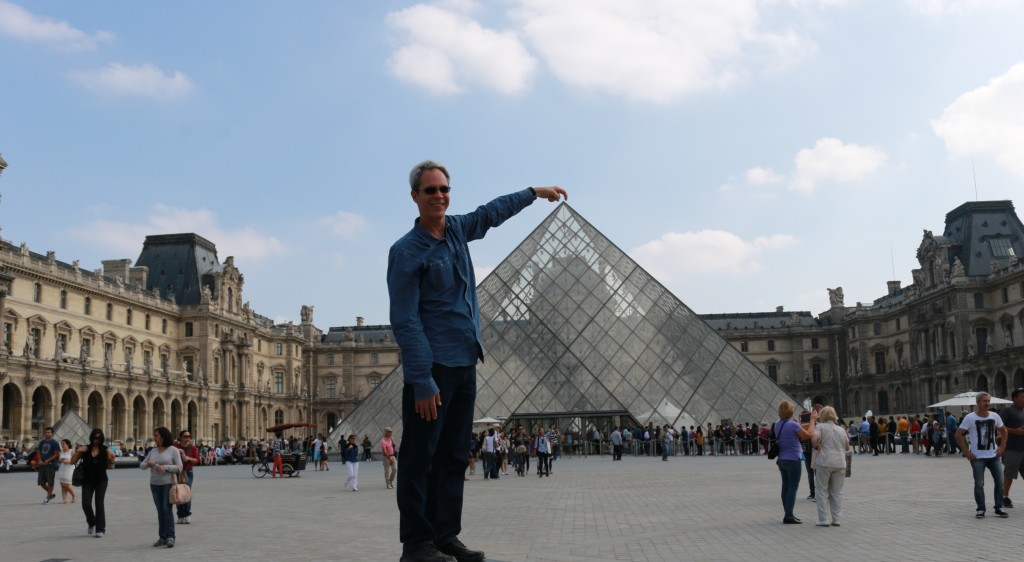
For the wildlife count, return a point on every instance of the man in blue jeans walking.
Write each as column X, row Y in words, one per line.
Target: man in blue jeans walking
column 987, row 445
column 436, row 322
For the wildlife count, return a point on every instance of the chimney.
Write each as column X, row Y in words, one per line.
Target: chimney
column 138, row 276
column 779, row 308
column 116, row 269
column 893, row 287
column 360, row 321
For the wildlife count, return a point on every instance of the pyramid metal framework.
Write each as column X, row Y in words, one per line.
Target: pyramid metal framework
column 572, row 326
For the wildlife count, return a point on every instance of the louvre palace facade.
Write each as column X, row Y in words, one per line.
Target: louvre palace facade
column 170, row 341
column 167, row 341
column 958, row 326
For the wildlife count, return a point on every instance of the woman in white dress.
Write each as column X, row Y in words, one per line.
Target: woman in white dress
column 66, row 470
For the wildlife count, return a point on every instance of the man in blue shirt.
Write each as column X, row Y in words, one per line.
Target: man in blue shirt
column 436, row 323
column 951, row 426
column 49, row 459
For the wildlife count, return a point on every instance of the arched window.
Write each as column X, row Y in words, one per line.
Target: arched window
column 278, row 417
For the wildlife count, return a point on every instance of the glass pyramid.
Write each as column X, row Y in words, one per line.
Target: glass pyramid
column 572, row 326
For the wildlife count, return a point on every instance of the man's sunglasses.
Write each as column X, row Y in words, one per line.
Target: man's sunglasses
column 434, row 189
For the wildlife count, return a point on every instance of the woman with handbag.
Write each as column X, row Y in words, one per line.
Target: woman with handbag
column 163, row 462
column 96, row 459
column 67, row 468
column 789, row 434
column 831, row 443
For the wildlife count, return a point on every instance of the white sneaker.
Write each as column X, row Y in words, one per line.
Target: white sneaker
column 99, row 535
column 181, row 521
column 92, row 529
column 355, row 489
column 188, row 520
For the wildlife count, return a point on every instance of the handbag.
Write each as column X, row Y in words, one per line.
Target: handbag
column 180, row 492
column 78, row 476
column 773, row 447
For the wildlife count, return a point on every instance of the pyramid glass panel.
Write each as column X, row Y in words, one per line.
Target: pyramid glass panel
column 572, row 325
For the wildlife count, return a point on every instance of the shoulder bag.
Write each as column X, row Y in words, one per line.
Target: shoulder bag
column 180, row 492
column 78, row 476
column 773, row 447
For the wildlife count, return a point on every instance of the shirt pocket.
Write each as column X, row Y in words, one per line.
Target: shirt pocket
column 441, row 275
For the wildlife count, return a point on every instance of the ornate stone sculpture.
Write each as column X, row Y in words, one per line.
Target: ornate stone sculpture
column 148, row 367
column 128, row 360
column 30, row 348
column 58, row 354
column 307, row 314
column 108, row 358
column 165, row 366
column 835, row 296
column 958, row 268
column 83, row 355
column 971, row 349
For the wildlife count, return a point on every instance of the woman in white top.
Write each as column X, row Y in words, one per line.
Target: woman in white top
column 831, row 442
column 66, row 470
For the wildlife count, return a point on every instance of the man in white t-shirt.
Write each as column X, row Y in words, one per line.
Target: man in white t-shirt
column 987, row 444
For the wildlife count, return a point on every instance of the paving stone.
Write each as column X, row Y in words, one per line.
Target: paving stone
column 640, row 509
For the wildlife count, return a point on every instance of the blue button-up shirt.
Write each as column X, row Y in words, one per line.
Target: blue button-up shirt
column 434, row 312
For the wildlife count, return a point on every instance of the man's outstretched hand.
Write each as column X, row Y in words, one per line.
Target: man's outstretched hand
column 552, row 194
column 427, row 408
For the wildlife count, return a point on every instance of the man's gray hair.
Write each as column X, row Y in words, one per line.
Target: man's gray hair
column 980, row 395
column 418, row 169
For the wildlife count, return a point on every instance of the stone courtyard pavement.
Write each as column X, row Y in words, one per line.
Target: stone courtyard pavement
column 898, row 507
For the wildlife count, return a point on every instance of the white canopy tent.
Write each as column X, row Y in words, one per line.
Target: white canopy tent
column 967, row 399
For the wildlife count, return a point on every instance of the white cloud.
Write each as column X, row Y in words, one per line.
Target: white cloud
column 146, row 81
column 682, row 254
column 763, row 176
column 657, row 50
column 482, row 271
column 246, row 243
column 989, row 119
column 830, row 160
column 344, row 224
column 445, row 50
column 19, row 23
column 936, row 8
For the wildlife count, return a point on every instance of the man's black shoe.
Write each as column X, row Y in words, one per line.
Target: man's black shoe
column 428, row 553
column 460, row 552
column 1001, row 513
column 1007, row 502
column 791, row 521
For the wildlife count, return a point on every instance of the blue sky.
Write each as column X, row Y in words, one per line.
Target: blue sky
column 748, row 153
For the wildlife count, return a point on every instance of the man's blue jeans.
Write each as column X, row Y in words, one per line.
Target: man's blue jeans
column 434, row 459
column 905, row 438
column 185, row 509
column 790, row 471
column 995, row 466
column 164, row 510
